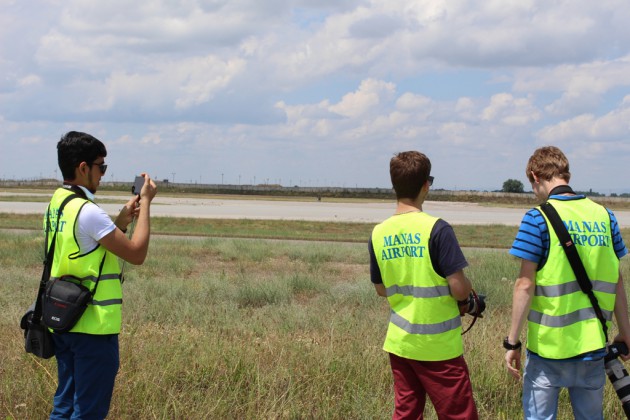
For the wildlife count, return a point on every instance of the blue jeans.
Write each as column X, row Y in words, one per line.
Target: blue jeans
column 86, row 367
column 544, row 378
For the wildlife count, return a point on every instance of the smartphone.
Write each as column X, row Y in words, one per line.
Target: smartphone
column 137, row 185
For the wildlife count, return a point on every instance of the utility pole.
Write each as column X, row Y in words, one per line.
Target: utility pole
column 173, row 173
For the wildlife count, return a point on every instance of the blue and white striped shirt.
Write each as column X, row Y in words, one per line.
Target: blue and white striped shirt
column 532, row 240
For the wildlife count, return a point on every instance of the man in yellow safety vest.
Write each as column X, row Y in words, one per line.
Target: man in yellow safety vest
column 88, row 245
column 565, row 339
column 417, row 264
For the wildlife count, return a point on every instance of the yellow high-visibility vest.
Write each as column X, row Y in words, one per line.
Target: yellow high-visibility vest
column 103, row 314
column 424, row 322
column 562, row 322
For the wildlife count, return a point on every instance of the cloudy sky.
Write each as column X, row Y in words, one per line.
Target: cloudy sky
column 318, row 92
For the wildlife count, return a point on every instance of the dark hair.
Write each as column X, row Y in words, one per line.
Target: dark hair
column 409, row 171
column 547, row 163
column 76, row 147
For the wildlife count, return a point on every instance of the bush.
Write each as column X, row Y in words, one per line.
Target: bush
column 512, row 186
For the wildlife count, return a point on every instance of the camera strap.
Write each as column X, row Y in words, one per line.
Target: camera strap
column 49, row 253
column 477, row 302
column 574, row 259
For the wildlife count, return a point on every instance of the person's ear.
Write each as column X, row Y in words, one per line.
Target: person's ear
column 424, row 189
column 82, row 169
column 535, row 177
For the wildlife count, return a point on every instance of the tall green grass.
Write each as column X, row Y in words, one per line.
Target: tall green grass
column 242, row 328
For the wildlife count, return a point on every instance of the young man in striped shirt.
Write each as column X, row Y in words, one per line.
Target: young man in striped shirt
column 566, row 344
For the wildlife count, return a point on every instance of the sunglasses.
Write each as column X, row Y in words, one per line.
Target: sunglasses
column 430, row 179
column 101, row 166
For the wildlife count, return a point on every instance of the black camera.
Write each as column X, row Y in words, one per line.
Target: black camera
column 618, row 374
column 474, row 305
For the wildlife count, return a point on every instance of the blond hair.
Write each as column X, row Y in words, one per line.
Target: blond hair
column 547, row 163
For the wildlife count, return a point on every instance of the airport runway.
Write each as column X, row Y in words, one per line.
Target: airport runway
column 454, row 213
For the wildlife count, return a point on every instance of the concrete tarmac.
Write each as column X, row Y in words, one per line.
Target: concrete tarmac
column 221, row 208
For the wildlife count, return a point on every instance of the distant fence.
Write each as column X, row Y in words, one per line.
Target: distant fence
column 270, row 189
column 225, row 188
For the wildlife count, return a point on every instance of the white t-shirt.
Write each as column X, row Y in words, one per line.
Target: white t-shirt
column 93, row 225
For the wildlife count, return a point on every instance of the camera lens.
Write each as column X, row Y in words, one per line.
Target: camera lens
column 618, row 375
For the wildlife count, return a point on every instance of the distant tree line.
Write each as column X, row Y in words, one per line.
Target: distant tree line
column 513, row 186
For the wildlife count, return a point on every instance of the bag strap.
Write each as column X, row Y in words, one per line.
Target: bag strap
column 100, row 271
column 574, row 259
column 49, row 255
column 80, row 193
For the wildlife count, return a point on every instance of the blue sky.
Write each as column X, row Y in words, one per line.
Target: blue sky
column 318, row 92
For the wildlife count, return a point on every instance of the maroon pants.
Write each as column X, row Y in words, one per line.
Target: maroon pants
column 446, row 382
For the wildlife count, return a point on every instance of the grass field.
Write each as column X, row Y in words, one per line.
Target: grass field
column 489, row 236
column 256, row 328
column 494, row 236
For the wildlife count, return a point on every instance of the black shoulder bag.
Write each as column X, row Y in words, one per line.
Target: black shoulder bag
column 575, row 261
column 66, row 299
column 37, row 337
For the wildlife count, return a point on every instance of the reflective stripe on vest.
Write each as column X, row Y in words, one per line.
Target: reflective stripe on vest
column 567, row 319
column 424, row 323
column 418, row 292
column 573, row 287
column 107, row 302
column 104, row 277
column 441, row 327
column 103, row 314
column 561, row 322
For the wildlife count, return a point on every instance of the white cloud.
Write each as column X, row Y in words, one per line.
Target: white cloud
column 454, row 133
column 371, row 94
column 32, row 140
column 466, row 108
column 588, row 128
column 29, row 80
column 582, row 87
column 518, row 32
column 412, row 102
column 200, row 79
column 125, row 139
column 509, row 110
column 58, row 49
column 151, row 138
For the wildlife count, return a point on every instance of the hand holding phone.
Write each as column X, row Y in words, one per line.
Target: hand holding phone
column 137, row 185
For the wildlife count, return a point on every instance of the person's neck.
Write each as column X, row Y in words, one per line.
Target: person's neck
column 548, row 186
column 406, row 205
column 563, row 189
column 79, row 189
